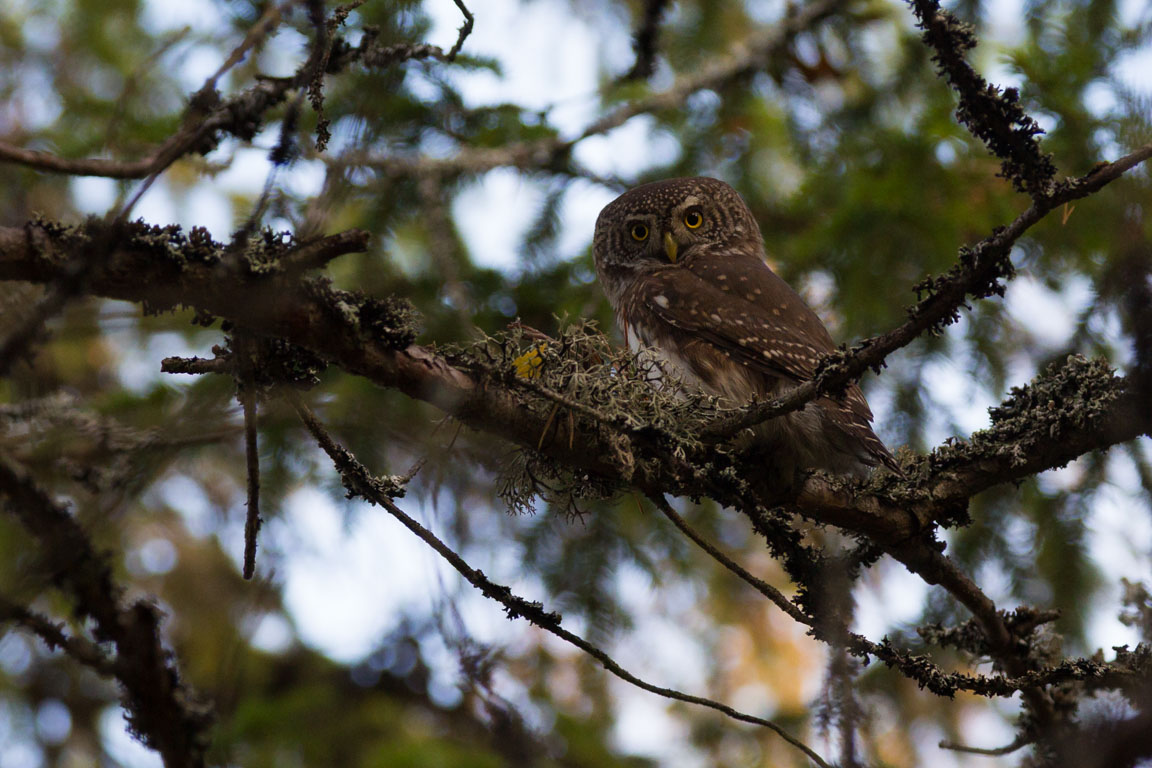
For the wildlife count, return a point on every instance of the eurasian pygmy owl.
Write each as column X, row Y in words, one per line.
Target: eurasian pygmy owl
column 682, row 262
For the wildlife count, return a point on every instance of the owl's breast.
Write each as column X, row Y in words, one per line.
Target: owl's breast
column 665, row 351
column 656, row 360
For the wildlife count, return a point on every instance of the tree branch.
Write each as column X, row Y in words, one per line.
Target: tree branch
column 160, row 269
column 1019, row 743
column 644, row 41
column 162, row 711
column 359, row 482
column 87, row 653
column 761, row 586
column 975, row 276
column 553, row 152
column 993, row 117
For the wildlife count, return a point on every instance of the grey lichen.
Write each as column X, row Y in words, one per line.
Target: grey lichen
column 391, row 321
column 168, row 244
column 577, row 383
column 163, row 257
column 1070, row 395
column 529, row 475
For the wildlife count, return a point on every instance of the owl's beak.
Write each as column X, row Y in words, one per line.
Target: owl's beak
column 670, row 247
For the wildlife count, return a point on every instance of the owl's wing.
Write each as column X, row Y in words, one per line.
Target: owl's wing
column 749, row 314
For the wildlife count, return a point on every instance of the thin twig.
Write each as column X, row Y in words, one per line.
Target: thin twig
column 84, row 651
column 244, row 361
column 358, row 480
column 252, row 521
column 93, row 166
column 1020, row 742
column 379, row 56
column 761, row 586
column 256, row 34
column 575, row 406
column 465, row 30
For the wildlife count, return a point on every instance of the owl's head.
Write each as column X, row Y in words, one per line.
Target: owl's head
column 663, row 223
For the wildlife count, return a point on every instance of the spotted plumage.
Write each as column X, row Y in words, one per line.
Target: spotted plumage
column 682, row 262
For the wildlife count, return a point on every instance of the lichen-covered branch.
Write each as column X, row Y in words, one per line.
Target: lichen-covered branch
column 976, row 275
column 82, row 650
column 161, row 268
column 994, row 117
column 359, row 482
column 161, row 709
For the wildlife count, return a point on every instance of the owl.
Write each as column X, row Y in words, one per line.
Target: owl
column 682, row 262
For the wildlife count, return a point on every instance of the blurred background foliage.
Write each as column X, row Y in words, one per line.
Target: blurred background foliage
column 848, row 153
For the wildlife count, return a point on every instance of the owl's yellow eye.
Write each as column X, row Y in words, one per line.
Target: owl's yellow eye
column 693, row 219
column 639, row 232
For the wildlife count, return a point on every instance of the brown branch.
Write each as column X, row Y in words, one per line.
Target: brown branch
column 465, row 30
column 335, row 326
column 1019, row 743
column 374, row 55
column 243, row 346
column 196, row 366
column 644, row 41
column 372, row 339
column 993, row 117
column 347, row 331
column 364, row 338
column 96, row 166
column 761, row 586
column 84, row 651
column 161, row 709
column 252, row 520
column 256, row 35
column 314, row 254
